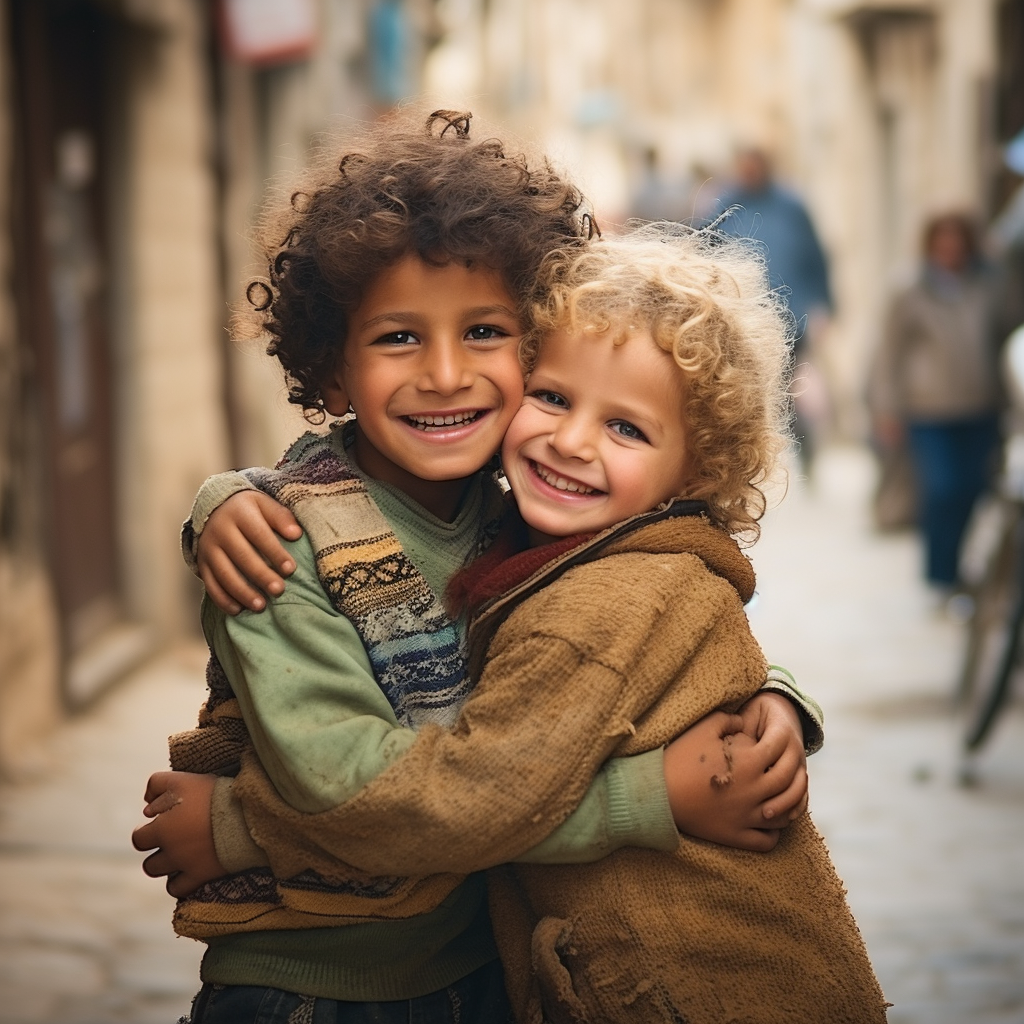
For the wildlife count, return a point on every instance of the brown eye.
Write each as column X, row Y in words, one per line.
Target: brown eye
column 397, row 338
column 485, row 332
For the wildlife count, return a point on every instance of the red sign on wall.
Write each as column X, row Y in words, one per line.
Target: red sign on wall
column 268, row 31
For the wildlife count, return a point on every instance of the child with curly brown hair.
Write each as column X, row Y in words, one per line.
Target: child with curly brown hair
column 398, row 294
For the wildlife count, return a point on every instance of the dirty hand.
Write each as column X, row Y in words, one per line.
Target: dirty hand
column 774, row 722
column 181, row 832
column 715, row 785
column 239, row 550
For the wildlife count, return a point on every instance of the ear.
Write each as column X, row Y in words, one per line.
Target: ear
column 335, row 394
column 333, row 390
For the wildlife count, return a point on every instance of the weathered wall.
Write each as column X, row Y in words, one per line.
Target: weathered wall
column 166, row 317
column 29, row 663
column 872, row 109
column 173, row 431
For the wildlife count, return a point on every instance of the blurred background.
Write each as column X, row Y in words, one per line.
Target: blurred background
column 136, row 141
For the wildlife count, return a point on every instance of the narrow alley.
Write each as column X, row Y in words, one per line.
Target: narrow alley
column 933, row 870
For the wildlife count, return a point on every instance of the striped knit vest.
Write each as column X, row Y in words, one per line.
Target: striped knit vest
column 417, row 654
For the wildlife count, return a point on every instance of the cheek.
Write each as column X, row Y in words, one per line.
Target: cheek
column 644, row 481
column 517, row 433
column 630, row 477
column 369, row 385
column 506, row 374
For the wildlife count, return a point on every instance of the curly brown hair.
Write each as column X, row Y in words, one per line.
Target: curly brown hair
column 706, row 300
column 402, row 189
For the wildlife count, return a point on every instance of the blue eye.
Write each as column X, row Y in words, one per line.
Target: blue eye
column 550, row 398
column 626, row 429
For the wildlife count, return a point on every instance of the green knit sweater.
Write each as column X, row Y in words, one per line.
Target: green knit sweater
column 322, row 729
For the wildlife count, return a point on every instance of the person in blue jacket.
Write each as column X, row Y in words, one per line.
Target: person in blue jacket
column 797, row 265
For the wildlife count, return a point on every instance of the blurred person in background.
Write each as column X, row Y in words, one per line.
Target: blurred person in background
column 1006, row 240
column 935, row 386
column 796, row 265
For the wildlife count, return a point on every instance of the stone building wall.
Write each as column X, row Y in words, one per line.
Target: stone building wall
column 29, row 664
column 873, row 110
column 165, row 317
column 173, row 432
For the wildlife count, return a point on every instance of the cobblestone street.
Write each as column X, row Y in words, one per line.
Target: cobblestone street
column 934, row 871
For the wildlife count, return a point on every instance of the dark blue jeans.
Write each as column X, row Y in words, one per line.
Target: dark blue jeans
column 479, row 998
column 953, row 464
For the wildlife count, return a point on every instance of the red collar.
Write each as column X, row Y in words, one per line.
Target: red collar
column 504, row 565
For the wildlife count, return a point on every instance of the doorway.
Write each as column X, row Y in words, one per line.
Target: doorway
column 62, row 51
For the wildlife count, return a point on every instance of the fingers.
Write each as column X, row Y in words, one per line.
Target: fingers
column 159, row 783
column 145, row 837
column 788, row 805
column 181, row 884
column 801, row 808
column 158, row 864
column 237, row 563
column 727, row 725
column 227, row 587
column 262, row 521
column 218, row 595
column 756, row 840
column 772, row 747
column 164, row 802
column 281, row 520
column 240, row 553
column 257, row 552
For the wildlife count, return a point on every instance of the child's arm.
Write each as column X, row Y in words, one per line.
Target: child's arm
column 322, row 727
column 348, row 735
column 514, row 757
column 230, row 540
column 200, row 832
column 240, row 544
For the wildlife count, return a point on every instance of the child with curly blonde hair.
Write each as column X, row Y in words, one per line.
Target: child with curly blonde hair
column 603, row 622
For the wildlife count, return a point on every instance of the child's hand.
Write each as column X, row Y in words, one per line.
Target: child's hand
column 238, row 548
column 701, row 776
column 736, row 779
column 181, row 834
column 772, row 720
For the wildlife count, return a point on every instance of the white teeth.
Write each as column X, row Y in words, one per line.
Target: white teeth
column 452, row 418
column 560, row 483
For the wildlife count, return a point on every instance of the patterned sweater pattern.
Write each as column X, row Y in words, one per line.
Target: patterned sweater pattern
column 404, row 629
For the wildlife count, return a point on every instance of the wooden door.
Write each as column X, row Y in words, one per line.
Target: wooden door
column 60, row 49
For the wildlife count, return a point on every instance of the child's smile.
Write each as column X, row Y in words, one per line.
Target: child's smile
column 600, row 436
column 561, row 483
column 430, row 366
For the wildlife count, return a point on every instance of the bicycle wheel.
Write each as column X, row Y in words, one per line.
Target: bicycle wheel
column 994, row 639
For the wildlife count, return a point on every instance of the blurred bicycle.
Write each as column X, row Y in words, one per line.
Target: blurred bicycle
column 993, row 655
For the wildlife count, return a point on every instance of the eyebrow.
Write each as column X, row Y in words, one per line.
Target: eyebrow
column 400, row 316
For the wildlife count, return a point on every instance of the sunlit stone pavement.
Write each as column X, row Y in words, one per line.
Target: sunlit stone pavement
column 935, row 872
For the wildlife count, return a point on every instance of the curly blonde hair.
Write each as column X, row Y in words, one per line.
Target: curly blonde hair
column 705, row 299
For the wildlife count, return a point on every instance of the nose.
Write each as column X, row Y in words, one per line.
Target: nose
column 573, row 438
column 447, row 368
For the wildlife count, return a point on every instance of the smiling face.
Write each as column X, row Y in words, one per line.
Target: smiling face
column 600, row 436
column 430, row 366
